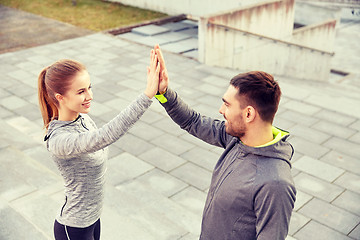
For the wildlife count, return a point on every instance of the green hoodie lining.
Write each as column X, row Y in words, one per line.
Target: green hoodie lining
column 278, row 134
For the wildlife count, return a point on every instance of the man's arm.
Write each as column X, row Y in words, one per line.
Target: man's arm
column 207, row 129
column 273, row 206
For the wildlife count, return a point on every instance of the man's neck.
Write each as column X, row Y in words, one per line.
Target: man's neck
column 258, row 135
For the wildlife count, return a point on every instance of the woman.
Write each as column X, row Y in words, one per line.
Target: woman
column 77, row 146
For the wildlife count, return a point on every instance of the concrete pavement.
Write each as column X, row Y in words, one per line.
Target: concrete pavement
column 158, row 175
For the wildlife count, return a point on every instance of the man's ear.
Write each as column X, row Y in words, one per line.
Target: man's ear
column 250, row 114
column 59, row 97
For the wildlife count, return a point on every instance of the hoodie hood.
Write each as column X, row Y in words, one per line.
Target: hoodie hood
column 278, row 148
column 56, row 124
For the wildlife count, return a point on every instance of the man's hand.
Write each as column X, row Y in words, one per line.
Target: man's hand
column 152, row 75
column 164, row 78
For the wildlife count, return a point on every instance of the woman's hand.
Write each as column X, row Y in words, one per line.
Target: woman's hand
column 152, row 75
column 164, row 78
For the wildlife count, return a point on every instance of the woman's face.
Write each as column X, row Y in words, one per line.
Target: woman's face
column 78, row 98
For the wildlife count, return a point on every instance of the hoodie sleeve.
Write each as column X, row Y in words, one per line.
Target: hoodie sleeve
column 207, row 129
column 273, row 206
column 69, row 144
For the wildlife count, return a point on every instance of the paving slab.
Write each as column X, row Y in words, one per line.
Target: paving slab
column 316, row 187
column 150, row 30
column 330, row 216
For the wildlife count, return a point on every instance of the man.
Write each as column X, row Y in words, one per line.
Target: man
column 252, row 193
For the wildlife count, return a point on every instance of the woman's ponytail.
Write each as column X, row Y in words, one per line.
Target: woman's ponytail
column 48, row 109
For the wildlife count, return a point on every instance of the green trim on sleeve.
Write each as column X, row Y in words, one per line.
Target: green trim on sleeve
column 161, row 98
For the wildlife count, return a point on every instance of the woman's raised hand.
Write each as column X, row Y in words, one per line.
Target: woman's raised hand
column 164, row 78
column 152, row 75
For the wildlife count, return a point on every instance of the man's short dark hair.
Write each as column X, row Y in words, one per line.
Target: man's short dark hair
column 259, row 90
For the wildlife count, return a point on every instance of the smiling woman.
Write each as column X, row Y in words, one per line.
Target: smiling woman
column 77, row 146
column 96, row 15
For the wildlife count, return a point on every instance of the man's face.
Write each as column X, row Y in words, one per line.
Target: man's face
column 233, row 113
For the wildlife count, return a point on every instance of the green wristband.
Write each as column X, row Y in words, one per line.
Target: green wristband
column 161, row 98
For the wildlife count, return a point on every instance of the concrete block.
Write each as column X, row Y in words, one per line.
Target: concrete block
column 5, row 113
column 349, row 181
column 301, row 107
column 349, row 201
column 98, row 109
column 194, row 54
column 201, row 157
column 349, row 148
column 316, row 187
column 198, row 142
column 355, row 233
column 151, row 116
column 177, row 47
column 174, row 220
column 14, row 226
column 355, row 138
column 343, row 161
column 297, row 222
column 294, row 116
column 173, row 144
column 330, row 215
column 210, row 89
column 318, row 168
column 125, row 167
column 133, row 145
column 23, row 125
column 192, row 199
column 334, row 129
column 29, row 111
column 301, row 199
column 13, row 102
column 170, row 37
column 150, row 30
column 194, row 175
column 134, row 206
column 161, row 182
column 356, row 125
column 114, row 151
column 176, row 26
column 117, row 104
column 293, row 92
column 308, row 133
column 40, row 209
column 310, row 149
column 335, row 117
column 283, row 123
column 145, row 131
column 162, row 159
column 315, row 230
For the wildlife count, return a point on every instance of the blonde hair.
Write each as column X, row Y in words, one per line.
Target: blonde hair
column 53, row 79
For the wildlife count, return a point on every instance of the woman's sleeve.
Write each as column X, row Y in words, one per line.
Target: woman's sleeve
column 65, row 143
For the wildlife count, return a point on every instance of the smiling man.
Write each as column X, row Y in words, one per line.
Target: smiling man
column 252, row 194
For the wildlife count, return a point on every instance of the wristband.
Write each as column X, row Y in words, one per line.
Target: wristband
column 161, row 98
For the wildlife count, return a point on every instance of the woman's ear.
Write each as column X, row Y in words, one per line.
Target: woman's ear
column 250, row 114
column 59, row 97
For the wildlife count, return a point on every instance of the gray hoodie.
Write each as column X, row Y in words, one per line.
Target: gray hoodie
column 79, row 150
column 252, row 193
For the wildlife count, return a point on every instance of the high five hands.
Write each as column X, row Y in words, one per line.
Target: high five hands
column 157, row 76
column 164, row 77
column 152, row 75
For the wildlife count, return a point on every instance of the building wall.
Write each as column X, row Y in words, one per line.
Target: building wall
column 245, row 51
column 320, row 36
column 270, row 18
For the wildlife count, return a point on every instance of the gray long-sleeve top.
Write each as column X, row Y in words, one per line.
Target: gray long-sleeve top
column 79, row 150
column 252, row 193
